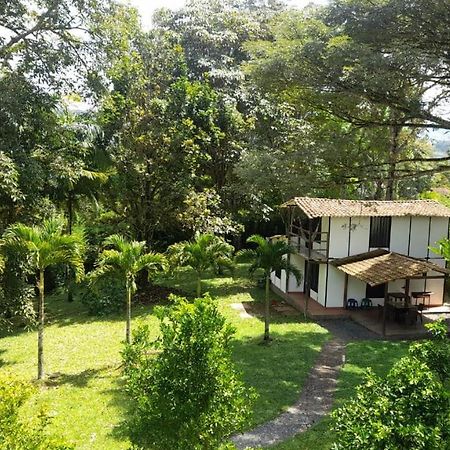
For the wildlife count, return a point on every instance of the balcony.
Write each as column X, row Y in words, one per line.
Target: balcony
column 311, row 245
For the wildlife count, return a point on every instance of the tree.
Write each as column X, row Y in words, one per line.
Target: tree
column 185, row 389
column 205, row 252
column 124, row 260
column 269, row 255
column 415, row 387
column 46, row 246
column 323, row 62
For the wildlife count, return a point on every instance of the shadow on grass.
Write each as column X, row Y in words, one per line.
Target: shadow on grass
column 80, row 379
column 3, row 363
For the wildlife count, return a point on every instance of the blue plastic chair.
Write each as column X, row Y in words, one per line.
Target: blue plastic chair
column 352, row 303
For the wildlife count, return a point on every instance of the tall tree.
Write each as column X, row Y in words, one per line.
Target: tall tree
column 124, row 260
column 45, row 246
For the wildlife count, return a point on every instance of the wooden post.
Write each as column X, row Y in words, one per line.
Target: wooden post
column 346, row 290
column 407, row 299
column 308, row 268
column 386, row 288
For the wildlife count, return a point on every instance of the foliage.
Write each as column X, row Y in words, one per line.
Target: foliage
column 204, row 214
column 378, row 416
column 17, row 431
column 106, row 297
column 205, row 252
column 123, row 261
column 186, row 391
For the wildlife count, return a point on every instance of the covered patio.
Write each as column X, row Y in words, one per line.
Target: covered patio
column 400, row 313
column 404, row 309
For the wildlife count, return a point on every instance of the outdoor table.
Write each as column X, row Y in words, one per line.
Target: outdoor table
column 398, row 296
column 401, row 310
column 424, row 295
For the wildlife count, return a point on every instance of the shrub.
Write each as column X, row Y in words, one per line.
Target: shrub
column 16, row 431
column 106, row 297
column 436, row 351
column 408, row 409
column 187, row 393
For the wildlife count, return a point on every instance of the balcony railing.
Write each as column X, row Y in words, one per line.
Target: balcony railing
column 310, row 244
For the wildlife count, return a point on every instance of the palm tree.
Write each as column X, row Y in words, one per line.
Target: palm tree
column 205, row 252
column 44, row 246
column 124, row 260
column 269, row 256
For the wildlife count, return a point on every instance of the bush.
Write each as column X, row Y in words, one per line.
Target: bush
column 408, row 409
column 16, row 431
column 186, row 392
column 106, row 297
column 16, row 294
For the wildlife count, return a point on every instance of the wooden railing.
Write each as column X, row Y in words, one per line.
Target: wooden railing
column 312, row 244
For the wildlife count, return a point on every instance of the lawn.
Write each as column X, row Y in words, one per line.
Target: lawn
column 84, row 391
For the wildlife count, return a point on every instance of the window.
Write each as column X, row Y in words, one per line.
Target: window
column 375, row 291
column 380, row 232
column 278, row 273
column 313, row 274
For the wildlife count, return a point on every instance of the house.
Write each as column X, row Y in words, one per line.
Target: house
column 355, row 249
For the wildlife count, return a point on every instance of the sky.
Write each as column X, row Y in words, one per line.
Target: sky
column 147, row 7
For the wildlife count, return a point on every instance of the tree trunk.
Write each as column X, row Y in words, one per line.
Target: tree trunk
column 391, row 191
column 128, row 330
column 69, row 227
column 41, row 317
column 199, row 285
column 267, row 310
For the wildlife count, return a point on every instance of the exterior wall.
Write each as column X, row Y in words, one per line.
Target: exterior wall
column 419, row 237
column 335, row 290
column 339, row 233
column 299, row 262
column 400, row 234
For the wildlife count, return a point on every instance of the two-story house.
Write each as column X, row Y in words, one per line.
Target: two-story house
column 365, row 249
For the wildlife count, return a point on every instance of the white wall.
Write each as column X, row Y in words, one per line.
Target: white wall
column 359, row 235
column 419, row 237
column 299, row 262
column 322, row 284
column 438, row 231
column 336, row 281
column 400, row 235
column 339, row 231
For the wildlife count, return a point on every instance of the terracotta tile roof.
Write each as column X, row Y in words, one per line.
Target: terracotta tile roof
column 324, row 207
column 381, row 266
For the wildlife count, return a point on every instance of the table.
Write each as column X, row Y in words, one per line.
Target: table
column 425, row 295
column 399, row 297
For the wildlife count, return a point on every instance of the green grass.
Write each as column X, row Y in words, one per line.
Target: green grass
column 82, row 355
column 380, row 355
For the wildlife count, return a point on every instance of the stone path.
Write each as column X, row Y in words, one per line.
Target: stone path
column 315, row 401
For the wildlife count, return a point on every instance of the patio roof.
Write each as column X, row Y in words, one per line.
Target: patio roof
column 381, row 266
column 328, row 207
